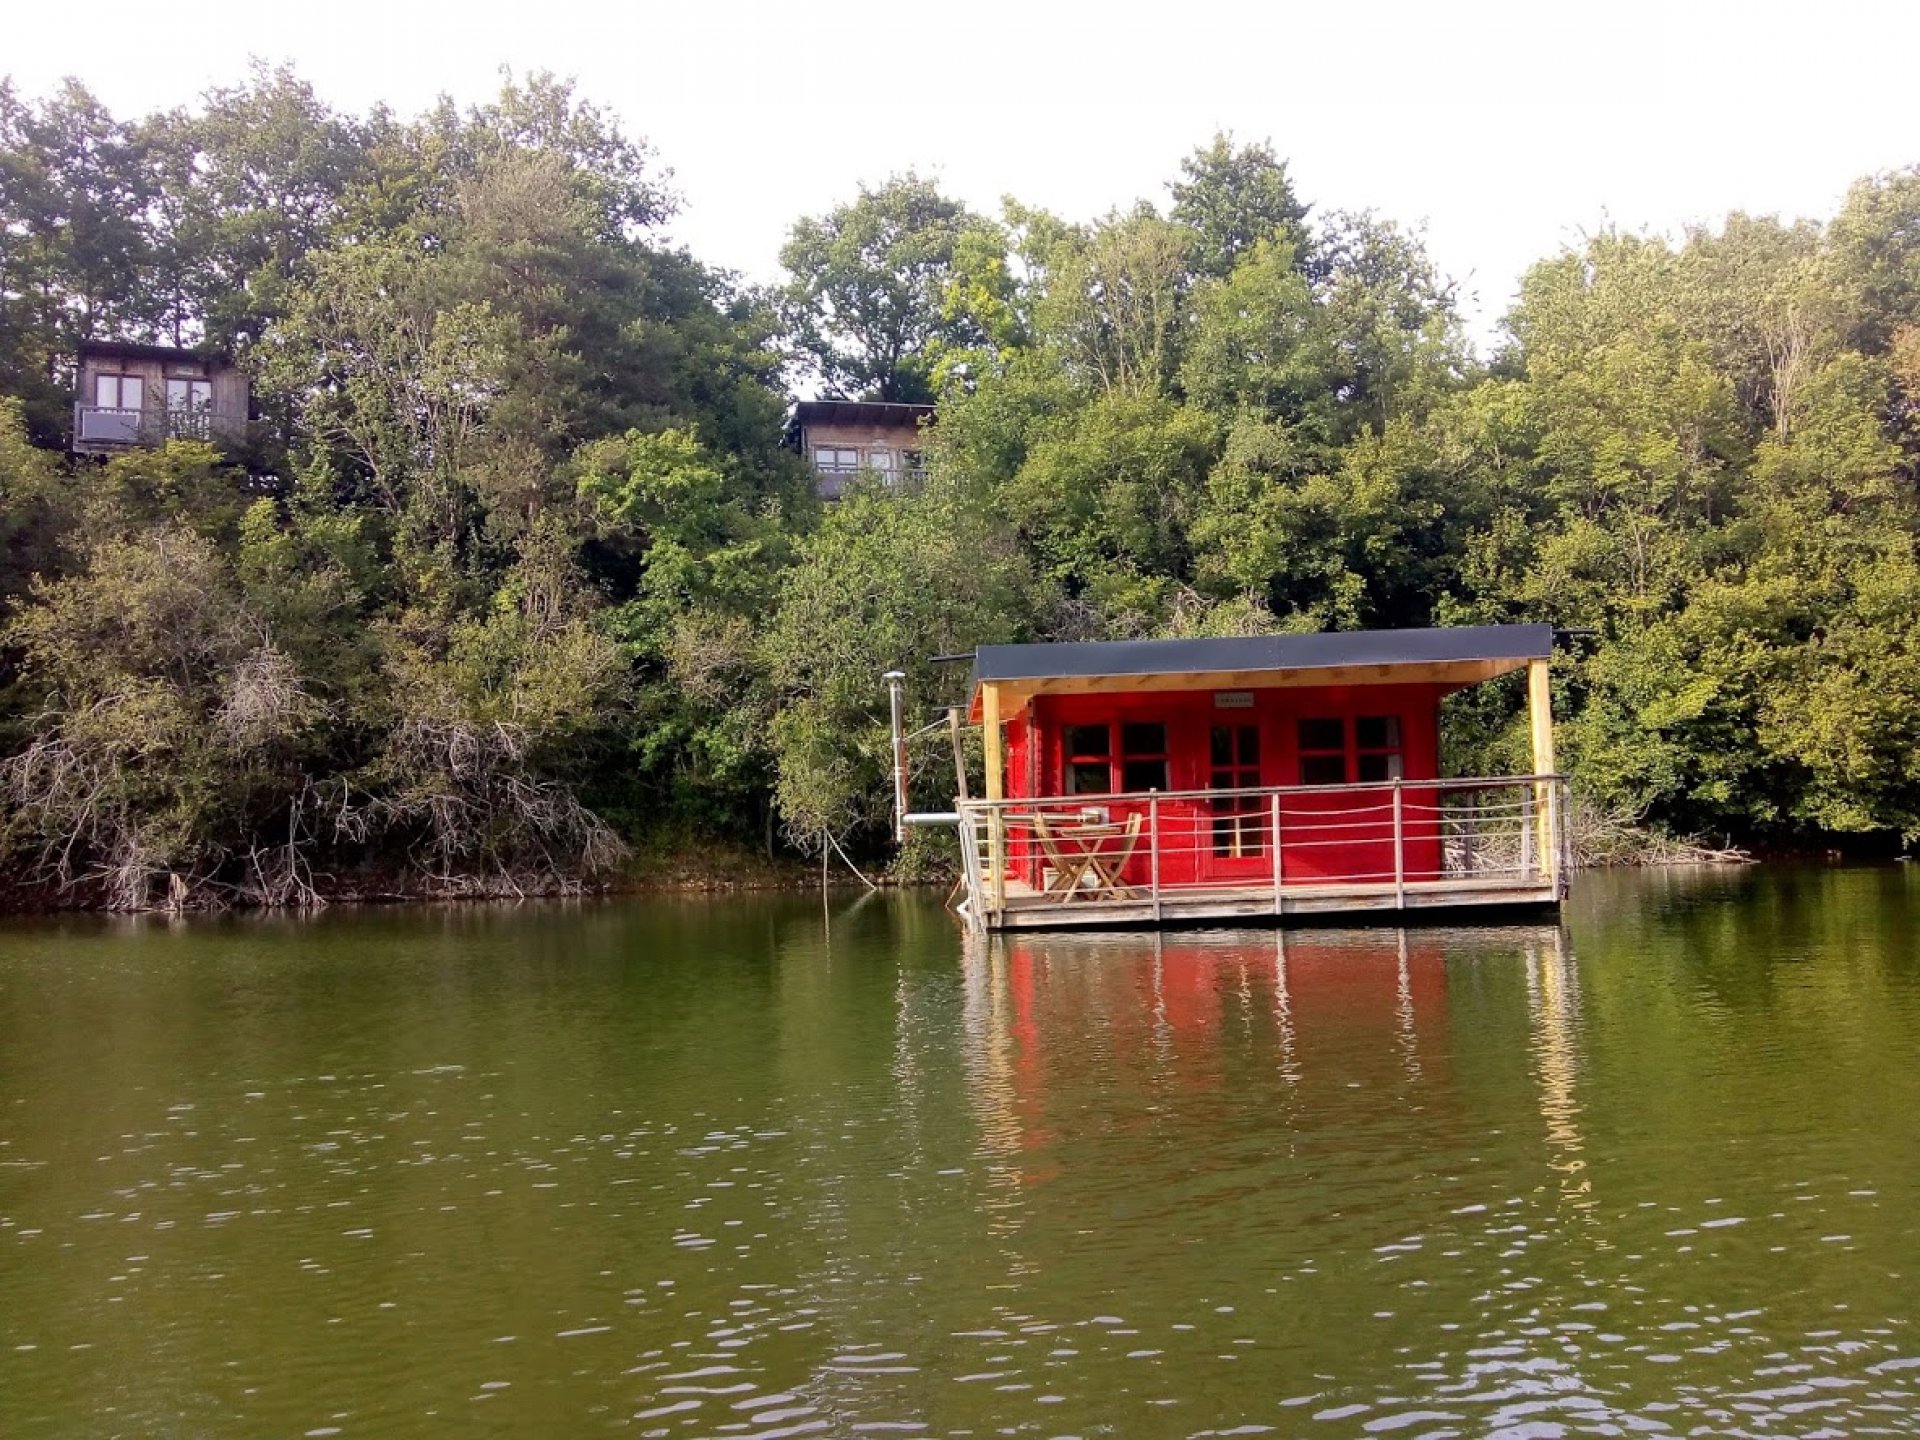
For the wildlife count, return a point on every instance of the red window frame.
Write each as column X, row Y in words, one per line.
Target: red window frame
column 1116, row 758
column 1387, row 754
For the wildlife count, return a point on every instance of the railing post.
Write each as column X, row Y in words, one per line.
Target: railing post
column 1550, row 831
column 976, row 903
column 1399, row 852
column 1277, row 883
column 1526, row 831
column 1563, row 836
column 997, row 857
column 1153, row 853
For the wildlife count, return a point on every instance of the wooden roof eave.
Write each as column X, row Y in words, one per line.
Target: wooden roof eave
column 1017, row 694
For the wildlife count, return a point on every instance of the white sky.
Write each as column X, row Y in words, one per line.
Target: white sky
column 1506, row 126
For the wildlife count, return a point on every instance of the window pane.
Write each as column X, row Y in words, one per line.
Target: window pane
column 881, row 460
column 1249, row 745
column 1086, row 740
column 1087, row 777
column 1137, row 775
column 1377, row 732
column 1220, row 751
column 1323, row 735
column 130, row 392
column 1323, row 769
column 1379, row 767
column 1143, row 739
column 106, row 391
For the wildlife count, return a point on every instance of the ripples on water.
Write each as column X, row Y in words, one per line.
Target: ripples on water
column 671, row 1170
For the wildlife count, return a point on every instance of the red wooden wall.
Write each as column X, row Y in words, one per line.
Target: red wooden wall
column 1335, row 835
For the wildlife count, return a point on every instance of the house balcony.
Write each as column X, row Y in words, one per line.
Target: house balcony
column 1265, row 853
column 108, row 430
column 831, row 480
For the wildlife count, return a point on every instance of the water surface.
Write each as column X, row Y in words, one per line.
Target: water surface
column 718, row 1168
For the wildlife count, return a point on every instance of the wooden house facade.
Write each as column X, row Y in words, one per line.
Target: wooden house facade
column 1166, row 780
column 844, row 439
column 130, row 396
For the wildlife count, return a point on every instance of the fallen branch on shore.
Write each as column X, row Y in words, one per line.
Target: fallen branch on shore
column 1604, row 838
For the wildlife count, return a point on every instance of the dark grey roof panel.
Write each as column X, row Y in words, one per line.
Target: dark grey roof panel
column 1435, row 646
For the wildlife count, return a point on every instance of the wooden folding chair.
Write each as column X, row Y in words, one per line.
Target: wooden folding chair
column 1067, row 869
column 1107, row 867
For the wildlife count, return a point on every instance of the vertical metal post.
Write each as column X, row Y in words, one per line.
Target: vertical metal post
column 997, row 846
column 1153, row 853
column 1277, row 898
column 896, row 703
column 1526, row 831
column 959, row 753
column 1399, row 851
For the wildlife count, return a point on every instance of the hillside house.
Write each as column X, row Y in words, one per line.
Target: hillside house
column 128, row 396
column 841, row 439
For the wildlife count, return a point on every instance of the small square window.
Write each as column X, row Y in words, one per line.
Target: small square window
column 1323, row 735
column 1375, row 768
column 1085, row 740
column 1220, row 745
column 1323, row 769
column 1143, row 740
column 1141, row 775
column 1377, row 732
column 1087, row 777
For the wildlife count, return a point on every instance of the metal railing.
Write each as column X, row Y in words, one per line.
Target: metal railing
column 152, row 425
column 831, row 480
column 1388, row 839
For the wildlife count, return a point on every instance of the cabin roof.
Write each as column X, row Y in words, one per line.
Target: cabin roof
column 1448, row 655
column 859, row 412
column 130, row 350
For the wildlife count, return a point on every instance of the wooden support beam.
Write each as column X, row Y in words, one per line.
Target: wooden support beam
column 990, row 732
column 1540, row 724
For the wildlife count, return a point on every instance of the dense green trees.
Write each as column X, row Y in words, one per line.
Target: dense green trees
column 517, row 573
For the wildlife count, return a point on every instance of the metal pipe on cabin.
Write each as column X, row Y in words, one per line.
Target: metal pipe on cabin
column 896, row 700
column 959, row 754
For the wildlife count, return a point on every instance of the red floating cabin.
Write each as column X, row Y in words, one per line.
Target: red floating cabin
column 1167, row 780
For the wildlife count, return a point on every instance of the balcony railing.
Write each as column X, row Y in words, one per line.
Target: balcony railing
column 1265, row 851
column 108, row 426
column 831, row 480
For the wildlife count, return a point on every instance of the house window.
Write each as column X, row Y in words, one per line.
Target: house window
column 881, row 461
column 189, row 404
column 1086, row 756
column 1323, row 751
column 118, row 392
column 1376, row 743
column 1144, row 763
column 829, row 460
column 1368, row 752
column 189, row 395
column 1092, row 763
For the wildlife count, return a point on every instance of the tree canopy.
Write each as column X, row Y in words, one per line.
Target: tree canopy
column 515, row 574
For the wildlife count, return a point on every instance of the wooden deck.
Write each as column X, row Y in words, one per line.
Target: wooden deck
column 1414, row 847
column 1027, row 910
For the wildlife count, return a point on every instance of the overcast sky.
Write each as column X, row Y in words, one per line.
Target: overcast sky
column 1506, row 127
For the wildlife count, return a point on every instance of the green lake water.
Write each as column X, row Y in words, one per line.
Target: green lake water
column 722, row 1168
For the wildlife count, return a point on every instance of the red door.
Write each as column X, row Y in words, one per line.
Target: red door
column 1236, row 829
